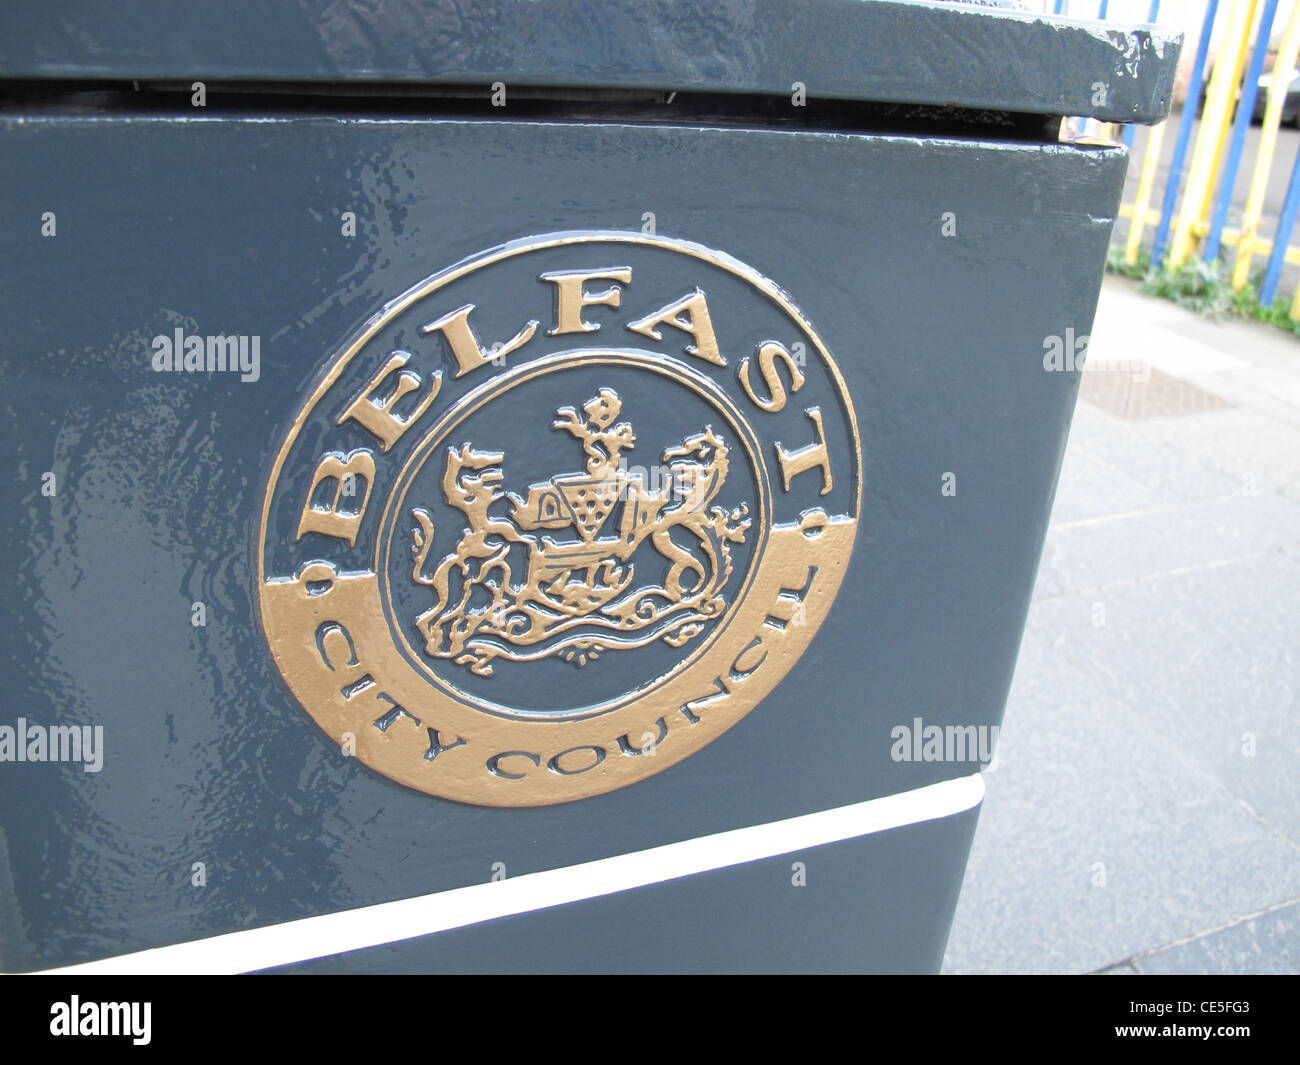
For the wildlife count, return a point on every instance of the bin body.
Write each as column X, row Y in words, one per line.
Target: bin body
column 333, row 651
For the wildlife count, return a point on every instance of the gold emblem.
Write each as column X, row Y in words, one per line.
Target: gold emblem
column 533, row 571
column 577, row 596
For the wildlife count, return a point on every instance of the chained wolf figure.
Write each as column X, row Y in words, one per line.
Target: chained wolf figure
column 513, row 590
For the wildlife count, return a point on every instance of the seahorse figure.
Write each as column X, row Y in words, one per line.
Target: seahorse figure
column 470, row 482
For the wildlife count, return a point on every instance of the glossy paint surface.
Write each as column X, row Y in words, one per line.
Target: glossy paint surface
column 877, row 50
column 232, row 226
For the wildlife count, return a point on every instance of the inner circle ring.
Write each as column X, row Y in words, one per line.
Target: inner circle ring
column 491, row 390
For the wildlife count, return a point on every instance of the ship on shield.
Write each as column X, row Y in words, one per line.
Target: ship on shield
column 556, row 577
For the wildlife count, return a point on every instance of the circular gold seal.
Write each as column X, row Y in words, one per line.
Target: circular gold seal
column 557, row 517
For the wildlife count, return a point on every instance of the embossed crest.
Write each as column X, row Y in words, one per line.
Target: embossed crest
column 526, row 571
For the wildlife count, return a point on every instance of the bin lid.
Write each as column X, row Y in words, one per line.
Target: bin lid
column 979, row 55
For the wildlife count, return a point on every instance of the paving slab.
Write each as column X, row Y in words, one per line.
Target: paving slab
column 1267, row 945
column 1101, row 835
column 1144, row 812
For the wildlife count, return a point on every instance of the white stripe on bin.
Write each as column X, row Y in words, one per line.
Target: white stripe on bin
column 393, row 922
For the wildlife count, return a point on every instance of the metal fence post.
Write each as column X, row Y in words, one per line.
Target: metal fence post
column 1209, row 141
column 1285, row 61
column 1268, row 290
column 1184, row 132
column 1245, row 112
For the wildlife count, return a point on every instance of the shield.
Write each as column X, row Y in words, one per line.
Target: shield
column 590, row 501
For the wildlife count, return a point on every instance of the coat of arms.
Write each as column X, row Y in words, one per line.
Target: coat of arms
column 557, row 577
column 447, row 536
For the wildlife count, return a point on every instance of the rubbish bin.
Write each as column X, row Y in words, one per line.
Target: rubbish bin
column 550, row 488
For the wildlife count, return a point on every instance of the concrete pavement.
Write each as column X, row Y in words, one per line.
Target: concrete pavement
column 1143, row 814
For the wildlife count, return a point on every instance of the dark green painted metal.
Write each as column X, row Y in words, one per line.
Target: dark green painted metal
column 896, row 890
column 875, row 50
column 229, row 223
column 233, row 225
